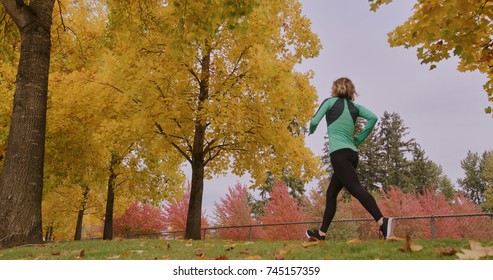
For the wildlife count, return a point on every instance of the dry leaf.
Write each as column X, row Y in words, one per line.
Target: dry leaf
column 292, row 245
column 189, row 243
column 327, row 258
column 471, row 254
column 410, row 247
column 55, row 253
column 229, row 247
column 222, row 258
column 198, row 252
column 416, row 248
column 167, row 245
column 137, row 251
column 310, row 243
column 255, row 257
column 114, row 257
column 395, row 238
column 82, row 254
column 280, row 255
column 476, row 246
column 449, row 251
column 165, row 257
column 477, row 251
column 353, row 241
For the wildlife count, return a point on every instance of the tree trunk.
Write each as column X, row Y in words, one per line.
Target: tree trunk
column 194, row 216
column 110, row 199
column 21, row 183
column 82, row 209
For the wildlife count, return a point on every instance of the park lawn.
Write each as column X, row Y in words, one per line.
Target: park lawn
column 155, row 249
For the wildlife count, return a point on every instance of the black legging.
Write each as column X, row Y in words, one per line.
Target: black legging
column 344, row 163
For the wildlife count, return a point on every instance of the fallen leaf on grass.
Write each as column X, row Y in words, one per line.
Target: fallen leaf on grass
column 199, row 252
column 165, row 257
column 292, row 245
column 222, row 258
column 410, row 247
column 476, row 246
column 113, row 257
column 189, row 243
column 55, row 253
column 354, row 241
column 137, row 251
column 82, row 254
column 310, row 243
column 471, row 255
column 280, row 255
column 167, row 245
column 449, row 251
column 255, row 257
column 477, row 251
column 395, row 238
column 244, row 252
column 229, row 247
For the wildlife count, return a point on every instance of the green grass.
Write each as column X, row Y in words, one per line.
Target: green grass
column 151, row 249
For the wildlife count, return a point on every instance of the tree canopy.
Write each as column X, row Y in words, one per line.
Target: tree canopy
column 442, row 29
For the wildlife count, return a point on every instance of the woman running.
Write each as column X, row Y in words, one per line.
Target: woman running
column 341, row 113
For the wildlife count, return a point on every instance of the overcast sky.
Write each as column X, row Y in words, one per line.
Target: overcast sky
column 443, row 108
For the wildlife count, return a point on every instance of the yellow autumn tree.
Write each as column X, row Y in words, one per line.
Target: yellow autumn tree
column 444, row 28
column 216, row 80
column 10, row 44
column 96, row 141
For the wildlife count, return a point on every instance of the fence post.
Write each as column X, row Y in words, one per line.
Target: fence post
column 433, row 229
column 204, row 232
column 251, row 234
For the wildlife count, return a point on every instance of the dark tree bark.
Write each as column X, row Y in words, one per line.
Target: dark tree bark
column 110, row 199
column 194, row 216
column 82, row 209
column 21, row 183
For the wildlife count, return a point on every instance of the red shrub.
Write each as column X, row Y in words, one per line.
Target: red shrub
column 139, row 219
column 235, row 211
column 283, row 208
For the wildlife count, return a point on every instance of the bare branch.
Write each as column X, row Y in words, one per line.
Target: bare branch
column 161, row 131
column 61, row 15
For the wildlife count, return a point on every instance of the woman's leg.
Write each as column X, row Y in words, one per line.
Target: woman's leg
column 331, row 202
column 344, row 163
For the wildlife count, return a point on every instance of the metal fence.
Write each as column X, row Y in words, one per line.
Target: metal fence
column 456, row 226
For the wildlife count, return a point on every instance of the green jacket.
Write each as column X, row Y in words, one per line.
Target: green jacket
column 341, row 115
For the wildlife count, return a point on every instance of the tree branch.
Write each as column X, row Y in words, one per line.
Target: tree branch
column 20, row 13
column 161, row 131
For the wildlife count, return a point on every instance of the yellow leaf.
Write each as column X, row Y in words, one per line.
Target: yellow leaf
column 255, row 257
column 471, row 254
column 353, row 241
column 311, row 243
column 416, row 248
column 395, row 238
